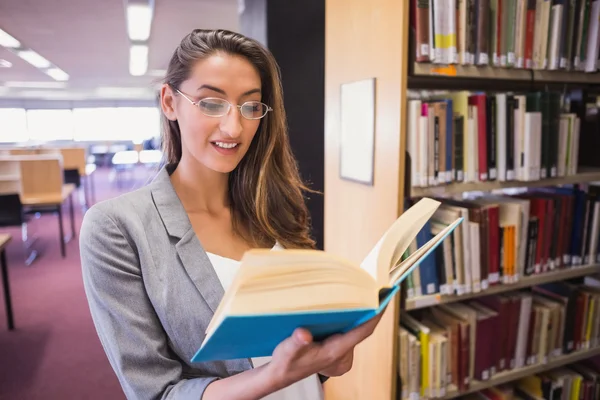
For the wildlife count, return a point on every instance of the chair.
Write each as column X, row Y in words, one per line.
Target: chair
column 43, row 190
column 12, row 211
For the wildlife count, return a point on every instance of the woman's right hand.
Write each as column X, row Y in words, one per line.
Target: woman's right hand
column 299, row 356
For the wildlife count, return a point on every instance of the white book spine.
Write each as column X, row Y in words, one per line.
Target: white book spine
column 475, row 271
column 423, row 150
column 453, row 34
column 592, row 40
column 467, row 260
column 414, row 118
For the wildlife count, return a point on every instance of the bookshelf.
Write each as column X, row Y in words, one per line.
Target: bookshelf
column 584, row 176
column 375, row 39
column 458, row 71
column 524, row 282
column 512, row 375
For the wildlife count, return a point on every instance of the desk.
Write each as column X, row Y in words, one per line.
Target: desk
column 4, row 239
column 54, row 203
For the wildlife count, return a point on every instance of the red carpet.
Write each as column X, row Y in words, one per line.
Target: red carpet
column 54, row 352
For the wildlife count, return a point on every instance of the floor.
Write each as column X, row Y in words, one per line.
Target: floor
column 54, row 352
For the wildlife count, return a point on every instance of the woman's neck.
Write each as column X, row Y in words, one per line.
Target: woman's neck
column 200, row 188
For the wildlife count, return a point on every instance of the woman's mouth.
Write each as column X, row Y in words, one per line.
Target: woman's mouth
column 225, row 148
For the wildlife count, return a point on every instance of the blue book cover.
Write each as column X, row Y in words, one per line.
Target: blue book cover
column 257, row 335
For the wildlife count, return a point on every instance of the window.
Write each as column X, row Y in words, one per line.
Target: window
column 49, row 125
column 81, row 124
column 13, row 125
column 124, row 123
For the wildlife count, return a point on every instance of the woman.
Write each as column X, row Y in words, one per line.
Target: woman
column 157, row 261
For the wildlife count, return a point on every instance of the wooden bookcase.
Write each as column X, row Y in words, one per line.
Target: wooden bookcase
column 371, row 39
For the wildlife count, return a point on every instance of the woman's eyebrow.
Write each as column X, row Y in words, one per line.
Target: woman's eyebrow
column 216, row 89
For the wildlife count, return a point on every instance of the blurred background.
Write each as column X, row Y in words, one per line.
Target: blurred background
column 79, row 123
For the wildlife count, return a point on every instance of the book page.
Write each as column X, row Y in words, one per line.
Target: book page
column 388, row 251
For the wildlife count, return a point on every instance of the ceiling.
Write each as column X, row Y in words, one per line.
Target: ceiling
column 88, row 40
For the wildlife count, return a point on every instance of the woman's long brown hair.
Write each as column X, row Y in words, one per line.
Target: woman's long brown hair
column 265, row 189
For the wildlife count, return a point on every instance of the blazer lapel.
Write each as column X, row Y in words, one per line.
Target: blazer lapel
column 190, row 250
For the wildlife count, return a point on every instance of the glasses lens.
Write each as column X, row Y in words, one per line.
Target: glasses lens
column 213, row 107
column 254, row 109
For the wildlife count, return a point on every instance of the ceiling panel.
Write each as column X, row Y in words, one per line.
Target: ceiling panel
column 88, row 40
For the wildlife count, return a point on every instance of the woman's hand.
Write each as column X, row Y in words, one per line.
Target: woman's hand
column 298, row 356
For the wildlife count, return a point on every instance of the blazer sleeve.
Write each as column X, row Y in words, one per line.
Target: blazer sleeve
column 129, row 329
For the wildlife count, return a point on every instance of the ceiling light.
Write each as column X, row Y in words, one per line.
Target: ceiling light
column 57, row 74
column 138, row 59
column 8, row 41
column 34, row 58
column 36, row 85
column 139, row 21
column 5, row 64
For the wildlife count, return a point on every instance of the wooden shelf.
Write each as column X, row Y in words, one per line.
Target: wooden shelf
column 512, row 375
column 528, row 281
column 471, row 72
column 511, row 74
column 566, row 76
column 586, row 175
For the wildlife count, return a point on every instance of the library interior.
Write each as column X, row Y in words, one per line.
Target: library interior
column 489, row 107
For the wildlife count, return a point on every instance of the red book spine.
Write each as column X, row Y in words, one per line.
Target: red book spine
column 420, row 22
column 494, row 244
column 549, row 206
column 529, row 33
column 465, row 341
column 538, row 210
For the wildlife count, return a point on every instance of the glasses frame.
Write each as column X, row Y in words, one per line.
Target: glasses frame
column 197, row 104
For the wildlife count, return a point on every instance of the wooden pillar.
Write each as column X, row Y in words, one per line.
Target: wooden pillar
column 366, row 39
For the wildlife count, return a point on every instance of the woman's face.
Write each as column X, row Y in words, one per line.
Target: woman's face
column 218, row 143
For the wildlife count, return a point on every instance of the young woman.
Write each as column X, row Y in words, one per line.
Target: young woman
column 157, row 261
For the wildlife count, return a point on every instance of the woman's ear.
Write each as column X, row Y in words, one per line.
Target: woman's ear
column 167, row 102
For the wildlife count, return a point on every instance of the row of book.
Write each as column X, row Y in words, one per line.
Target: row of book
column 532, row 34
column 449, row 346
column 577, row 381
column 473, row 137
column 506, row 237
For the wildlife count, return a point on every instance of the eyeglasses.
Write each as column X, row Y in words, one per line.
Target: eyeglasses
column 217, row 107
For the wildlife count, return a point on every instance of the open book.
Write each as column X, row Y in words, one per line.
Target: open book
column 277, row 291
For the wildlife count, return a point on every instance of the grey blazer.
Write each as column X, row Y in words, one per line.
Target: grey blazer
column 152, row 292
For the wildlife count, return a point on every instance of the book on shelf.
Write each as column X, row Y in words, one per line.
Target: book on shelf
column 484, row 339
column 277, row 291
column 505, row 238
column 579, row 380
column 477, row 137
column 532, row 34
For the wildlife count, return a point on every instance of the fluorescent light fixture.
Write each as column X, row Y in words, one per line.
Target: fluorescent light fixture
column 57, row 74
column 34, row 58
column 8, row 41
column 35, row 85
column 138, row 59
column 5, row 64
column 139, row 21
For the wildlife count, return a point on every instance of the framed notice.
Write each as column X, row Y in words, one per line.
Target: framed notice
column 357, row 141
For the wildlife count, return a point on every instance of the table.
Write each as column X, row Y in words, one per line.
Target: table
column 4, row 240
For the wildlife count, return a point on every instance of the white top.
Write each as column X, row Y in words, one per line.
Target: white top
column 309, row 388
